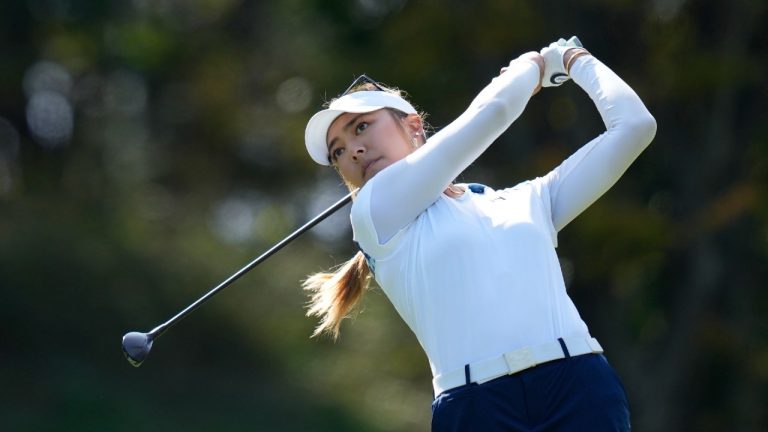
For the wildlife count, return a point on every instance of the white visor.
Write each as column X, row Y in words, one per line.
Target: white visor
column 316, row 134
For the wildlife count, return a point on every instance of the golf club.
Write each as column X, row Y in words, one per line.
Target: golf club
column 136, row 345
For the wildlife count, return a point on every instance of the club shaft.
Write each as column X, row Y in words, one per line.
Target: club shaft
column 157, row 331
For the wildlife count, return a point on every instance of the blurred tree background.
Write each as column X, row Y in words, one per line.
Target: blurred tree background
column 150, row 148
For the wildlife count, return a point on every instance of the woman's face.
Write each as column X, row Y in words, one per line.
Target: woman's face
column 362, row 144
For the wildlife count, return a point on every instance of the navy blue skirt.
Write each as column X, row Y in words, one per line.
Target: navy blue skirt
column 581, row 393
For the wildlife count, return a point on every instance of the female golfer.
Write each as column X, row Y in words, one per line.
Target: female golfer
column 472, row 270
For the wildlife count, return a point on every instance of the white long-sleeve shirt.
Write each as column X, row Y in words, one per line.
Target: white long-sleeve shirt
column 478, row 275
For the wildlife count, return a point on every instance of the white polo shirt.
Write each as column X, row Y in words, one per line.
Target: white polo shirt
column 475, row 276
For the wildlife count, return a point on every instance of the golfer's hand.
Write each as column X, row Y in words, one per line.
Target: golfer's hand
column 536, row 58
column 558, row 58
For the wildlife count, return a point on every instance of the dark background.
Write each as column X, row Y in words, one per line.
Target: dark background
column 149, row 149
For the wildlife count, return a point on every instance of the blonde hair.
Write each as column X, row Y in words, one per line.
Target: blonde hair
column 334, row 294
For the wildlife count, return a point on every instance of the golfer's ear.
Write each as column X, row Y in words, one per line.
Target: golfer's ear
column 413, row 124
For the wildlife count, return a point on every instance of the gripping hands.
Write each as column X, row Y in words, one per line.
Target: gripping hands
column 555, row 71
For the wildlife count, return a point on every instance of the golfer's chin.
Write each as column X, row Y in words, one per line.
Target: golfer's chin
column 373, row 169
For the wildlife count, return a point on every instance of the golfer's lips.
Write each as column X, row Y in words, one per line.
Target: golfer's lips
column 367, row 165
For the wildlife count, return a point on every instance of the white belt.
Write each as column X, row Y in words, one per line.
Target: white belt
column 515, row 361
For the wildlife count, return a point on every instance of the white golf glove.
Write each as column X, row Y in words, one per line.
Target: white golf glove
column 554, row 70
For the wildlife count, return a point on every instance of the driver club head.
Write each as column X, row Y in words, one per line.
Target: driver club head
column 136, row 347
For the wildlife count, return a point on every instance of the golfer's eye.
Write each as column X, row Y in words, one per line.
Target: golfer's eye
column 361, row 127
column 336, row 153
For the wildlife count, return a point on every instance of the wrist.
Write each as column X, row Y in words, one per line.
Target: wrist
column 534, row 58
column 570, row 56
column 537, row 61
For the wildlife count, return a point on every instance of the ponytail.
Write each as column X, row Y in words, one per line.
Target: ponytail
column 334, row 295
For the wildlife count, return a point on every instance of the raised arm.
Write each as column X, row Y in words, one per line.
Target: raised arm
column 399, row 193
column 594, row 168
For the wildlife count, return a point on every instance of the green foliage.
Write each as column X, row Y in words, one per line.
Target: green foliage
column 177, row 156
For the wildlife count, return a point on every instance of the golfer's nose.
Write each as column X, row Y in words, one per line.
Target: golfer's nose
column 357, row 152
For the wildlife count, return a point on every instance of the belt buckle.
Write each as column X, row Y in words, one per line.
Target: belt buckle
column 518, row 360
